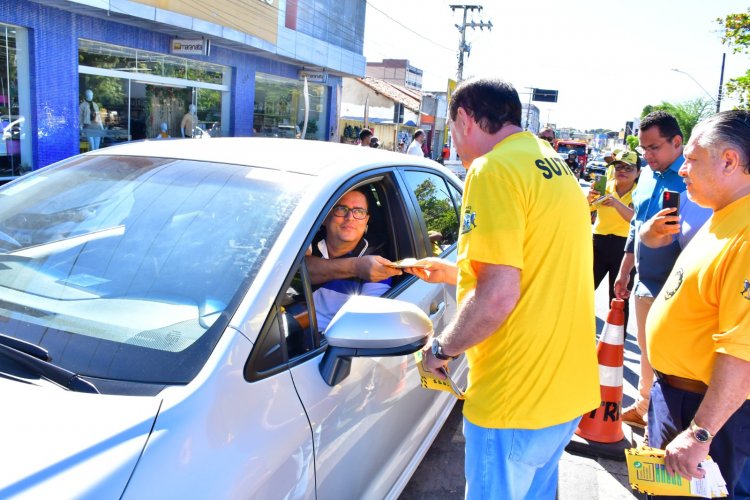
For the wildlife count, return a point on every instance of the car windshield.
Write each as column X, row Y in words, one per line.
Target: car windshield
column 121, row 267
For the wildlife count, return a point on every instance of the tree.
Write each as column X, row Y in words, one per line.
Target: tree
column 632, row 142
column 687, row 113
column 737, row 36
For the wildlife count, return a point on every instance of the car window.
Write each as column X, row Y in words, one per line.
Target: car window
column 438, row 208
column 297, row 321
column 121, row 266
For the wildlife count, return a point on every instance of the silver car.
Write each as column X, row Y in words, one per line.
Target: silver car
column 157, row 325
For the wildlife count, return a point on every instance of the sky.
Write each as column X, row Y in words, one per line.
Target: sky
column 606, row 59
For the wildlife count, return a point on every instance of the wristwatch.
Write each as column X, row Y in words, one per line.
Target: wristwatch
column 437, row 351
column 700, row 434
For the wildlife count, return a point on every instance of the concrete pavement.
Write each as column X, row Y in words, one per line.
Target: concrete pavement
column 440, row 476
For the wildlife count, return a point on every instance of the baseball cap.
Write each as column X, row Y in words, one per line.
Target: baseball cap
column 629, row 157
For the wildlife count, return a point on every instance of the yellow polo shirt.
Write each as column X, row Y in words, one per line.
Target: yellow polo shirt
column 608, row 220
column 523, row 208
column 704, row 307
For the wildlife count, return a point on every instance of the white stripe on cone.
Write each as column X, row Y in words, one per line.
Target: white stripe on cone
column 610, row 376
column 613, row 334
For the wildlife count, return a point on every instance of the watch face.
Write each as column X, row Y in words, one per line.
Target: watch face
column 435, row 347
column 701, row 435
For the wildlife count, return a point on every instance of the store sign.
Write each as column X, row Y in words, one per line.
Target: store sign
column 313, row 76
column 183, row 47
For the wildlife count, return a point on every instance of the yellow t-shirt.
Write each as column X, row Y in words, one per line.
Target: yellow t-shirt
column 608, row 219
column 704, row 307
column 523, row 208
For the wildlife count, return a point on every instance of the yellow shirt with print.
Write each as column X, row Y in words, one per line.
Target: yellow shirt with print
column 523, row 208
column 704, row 307
column 608, row 219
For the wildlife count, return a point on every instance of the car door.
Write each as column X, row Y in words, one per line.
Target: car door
column 371, row 430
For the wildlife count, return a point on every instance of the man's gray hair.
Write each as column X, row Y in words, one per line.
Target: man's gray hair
column 726, row 130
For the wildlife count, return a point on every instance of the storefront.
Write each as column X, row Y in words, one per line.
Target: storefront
column 279, row 108
column 15, row 142
column 144, row 95
column 75, row 76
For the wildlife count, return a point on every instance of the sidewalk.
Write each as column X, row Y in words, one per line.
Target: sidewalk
column 441, row 474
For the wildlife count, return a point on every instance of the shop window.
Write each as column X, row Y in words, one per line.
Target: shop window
column 279, row 108
column 144, row 95
column 15, row 141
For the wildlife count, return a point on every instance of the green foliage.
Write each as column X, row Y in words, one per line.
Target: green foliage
column 438, row 211
column 687, row 113
column 737, row 36
column 632, row 142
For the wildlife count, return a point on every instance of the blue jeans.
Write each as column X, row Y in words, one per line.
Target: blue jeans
column 671, row 411
column 514, row 463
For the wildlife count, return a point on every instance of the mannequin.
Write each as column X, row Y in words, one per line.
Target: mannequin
column 188, row 122
column 90, row 121
column 163, row 131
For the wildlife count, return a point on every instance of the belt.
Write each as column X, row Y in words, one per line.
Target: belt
column 683, row 384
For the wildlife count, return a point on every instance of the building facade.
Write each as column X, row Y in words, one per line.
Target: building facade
column 77, row 74
column 397, row 72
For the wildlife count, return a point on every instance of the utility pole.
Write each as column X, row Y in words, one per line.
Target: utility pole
column 462, row 45
column 721, row 83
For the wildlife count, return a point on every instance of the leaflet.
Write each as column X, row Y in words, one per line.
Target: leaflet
column 648, row 474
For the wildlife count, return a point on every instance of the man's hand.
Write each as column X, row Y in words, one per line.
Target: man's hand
column 657, row 231
column 375, row 268
column 430, row 363
column 684, row 454
column 436, row 271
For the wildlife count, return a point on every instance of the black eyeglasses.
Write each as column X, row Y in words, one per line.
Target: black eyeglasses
column 342, row 210
column 624, row 168
column 548, row 139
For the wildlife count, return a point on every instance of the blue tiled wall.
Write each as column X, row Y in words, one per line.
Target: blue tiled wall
column 53, row 40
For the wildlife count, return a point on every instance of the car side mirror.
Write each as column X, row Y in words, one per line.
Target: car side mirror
column 371, row 326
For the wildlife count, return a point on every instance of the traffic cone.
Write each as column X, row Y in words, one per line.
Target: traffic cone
column 603, row 424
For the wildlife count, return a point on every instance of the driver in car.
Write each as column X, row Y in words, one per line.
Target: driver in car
column 344, row 240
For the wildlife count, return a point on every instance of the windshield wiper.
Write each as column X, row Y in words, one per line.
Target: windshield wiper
column 37, row 359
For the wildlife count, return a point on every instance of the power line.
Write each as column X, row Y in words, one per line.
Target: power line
column 462, row 45
column 409, row 29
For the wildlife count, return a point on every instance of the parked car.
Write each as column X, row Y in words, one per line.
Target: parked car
column 159, row 336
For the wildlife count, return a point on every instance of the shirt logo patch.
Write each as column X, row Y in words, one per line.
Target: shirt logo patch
column 746, row 291
column 468, row 222
column 673, row 283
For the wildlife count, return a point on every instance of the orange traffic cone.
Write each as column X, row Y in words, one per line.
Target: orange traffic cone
column 604, row 424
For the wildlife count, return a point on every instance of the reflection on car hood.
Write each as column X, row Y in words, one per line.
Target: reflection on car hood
column 57, row 442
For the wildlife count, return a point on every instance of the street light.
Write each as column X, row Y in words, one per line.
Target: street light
column 696, row 82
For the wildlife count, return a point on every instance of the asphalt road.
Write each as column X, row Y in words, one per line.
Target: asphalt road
column 441, row 476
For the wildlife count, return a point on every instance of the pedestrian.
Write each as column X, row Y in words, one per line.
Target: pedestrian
column 365, row 136
column 415, row 147
column 698, row 329
column 614, row 210
column 525, row 322
column 661, row 139
column 548, row 134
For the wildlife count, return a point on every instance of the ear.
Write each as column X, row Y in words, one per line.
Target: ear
column 677, row 141
column 463, row 120
column 731, row 160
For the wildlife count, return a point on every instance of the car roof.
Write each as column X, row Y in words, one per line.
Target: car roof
column 317, row 158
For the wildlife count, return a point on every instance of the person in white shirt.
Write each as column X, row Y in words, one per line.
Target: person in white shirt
column 415, row 148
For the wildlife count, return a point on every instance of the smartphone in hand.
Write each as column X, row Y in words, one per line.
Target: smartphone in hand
column 671, row 199
column 600, row 184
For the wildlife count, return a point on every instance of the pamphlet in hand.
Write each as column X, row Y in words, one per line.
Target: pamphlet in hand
column 430, row 381
column 408, row 262
column 648, row 474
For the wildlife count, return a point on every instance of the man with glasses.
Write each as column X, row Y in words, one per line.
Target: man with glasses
column 345, row 227
column 661, row 140
column 547, row 134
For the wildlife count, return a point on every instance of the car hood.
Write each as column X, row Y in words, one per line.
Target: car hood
column 54, row 441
